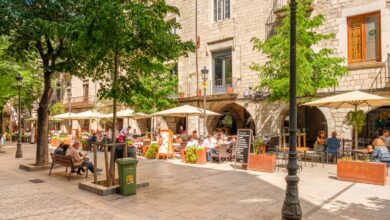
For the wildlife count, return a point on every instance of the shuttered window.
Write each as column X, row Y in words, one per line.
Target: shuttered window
column 364, row 38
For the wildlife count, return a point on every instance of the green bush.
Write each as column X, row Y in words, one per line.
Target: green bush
column 152, row 151
column 191, row 156
column 256, row 145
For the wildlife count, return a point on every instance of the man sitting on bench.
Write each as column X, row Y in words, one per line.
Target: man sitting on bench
column 79, row 158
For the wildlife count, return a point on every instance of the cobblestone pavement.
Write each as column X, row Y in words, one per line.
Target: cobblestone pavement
column 177, row 191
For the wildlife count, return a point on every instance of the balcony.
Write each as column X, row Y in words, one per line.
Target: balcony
column 80, row 101
column 214, row 87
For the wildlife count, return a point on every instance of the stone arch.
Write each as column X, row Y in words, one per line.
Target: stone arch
column 241, row 116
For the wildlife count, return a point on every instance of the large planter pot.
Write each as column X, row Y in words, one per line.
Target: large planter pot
column 144, row 149
column 361, row 172
column 183, row 155
column 55, row 142
column 66, row 141
column 262, row 162
column 202, row 156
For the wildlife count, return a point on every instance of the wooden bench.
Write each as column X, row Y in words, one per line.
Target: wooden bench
column 67, row 162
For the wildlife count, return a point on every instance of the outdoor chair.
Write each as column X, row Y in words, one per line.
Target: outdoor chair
column 221, row 153
column 234, row 151
column 316, row 155
column 281, row 156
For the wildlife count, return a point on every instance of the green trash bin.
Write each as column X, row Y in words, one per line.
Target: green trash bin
column 127, row 170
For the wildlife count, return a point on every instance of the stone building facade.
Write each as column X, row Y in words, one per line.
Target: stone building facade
column 222, row 31
column 229, row 36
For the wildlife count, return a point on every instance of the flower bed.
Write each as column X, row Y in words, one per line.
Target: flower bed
column 362, row 172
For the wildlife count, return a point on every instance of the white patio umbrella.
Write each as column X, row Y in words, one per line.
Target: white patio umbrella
column 64, row 116
column 185, row 111
column 352, row 99
column 121, row 114
column 88, row 115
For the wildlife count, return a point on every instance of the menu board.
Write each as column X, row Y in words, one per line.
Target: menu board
column 244, row 138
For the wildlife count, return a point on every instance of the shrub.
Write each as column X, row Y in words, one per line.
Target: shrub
column 152, row 151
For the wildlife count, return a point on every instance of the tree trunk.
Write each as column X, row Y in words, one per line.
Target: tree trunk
column 42, row 156
column 114, row 105
column 1, row 120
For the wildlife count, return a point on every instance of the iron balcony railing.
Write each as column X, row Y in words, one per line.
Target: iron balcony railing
column 80, row 101
column 382, row 79
column 213, row 87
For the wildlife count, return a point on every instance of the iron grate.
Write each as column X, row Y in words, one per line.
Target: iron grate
column 37, row 181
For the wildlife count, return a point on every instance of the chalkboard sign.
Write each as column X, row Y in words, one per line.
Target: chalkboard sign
column 244, row 139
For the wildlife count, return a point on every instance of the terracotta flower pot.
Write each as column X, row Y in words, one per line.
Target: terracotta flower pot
column 229, row 89
column 55, row 142
column 202, row 156
column 262, row 162
column 199, row 92
column 144, row 149
column 362, row 172
column 183, row 155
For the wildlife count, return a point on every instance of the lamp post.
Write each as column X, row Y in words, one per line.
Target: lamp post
column 69, row 90
column 205, row 73
column 19, row 153
column 292, row 207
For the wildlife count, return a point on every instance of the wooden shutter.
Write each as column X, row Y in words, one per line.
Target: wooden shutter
column 355, row 39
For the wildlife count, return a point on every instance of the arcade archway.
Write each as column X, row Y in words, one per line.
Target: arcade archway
column 377, row 120
column 310, row 120
column 233, row 117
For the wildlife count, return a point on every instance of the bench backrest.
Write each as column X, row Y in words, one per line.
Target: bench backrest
column 62, row 159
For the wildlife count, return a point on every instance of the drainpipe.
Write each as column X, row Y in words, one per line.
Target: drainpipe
column 196, row 58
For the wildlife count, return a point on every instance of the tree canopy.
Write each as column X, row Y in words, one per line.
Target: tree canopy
column 40, row 29
column 316, row 69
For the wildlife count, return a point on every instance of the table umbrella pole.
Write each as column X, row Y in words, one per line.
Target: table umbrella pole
column 356, row 130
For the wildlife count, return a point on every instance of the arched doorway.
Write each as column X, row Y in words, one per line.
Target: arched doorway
column 377, row 120
column 233, row 117
column 310, row 120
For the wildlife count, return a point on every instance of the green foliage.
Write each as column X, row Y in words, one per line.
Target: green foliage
column 155, row 97
column 191, row 156
column 152, row 151
column 356, row 119
column 129, row 41
column 256, row 146
column 228, row 121
column 9, row 68
column 57, row 108
column 316, row 69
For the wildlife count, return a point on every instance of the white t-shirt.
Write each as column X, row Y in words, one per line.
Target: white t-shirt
column 211, row 144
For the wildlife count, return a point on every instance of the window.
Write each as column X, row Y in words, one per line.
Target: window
column 222, row 71
column 173, row 26
column 364, row 37
column 174, row 69
column 85, row 90
column 221, row 10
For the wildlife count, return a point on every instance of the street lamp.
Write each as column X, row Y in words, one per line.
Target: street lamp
column 19, row 153
column 292, row 207
column 205, row 73
column 69, row 90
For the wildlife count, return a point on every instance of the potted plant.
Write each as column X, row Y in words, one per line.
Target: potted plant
column 361, row 171
column 84, row 144
column 259, row 160
column 55, row 141
column 196, row 155
column 229, row 89
column 152, row 151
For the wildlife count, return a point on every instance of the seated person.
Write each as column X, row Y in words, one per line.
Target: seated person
column 210, row 143
column 333, row 146
column 61, row 149
column 195, row 135
column 381, row 153
column 192, row 142
column 80, row 159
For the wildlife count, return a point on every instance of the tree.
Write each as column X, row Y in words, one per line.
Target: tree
column 122, row 43
column 9, row 68
column 40, row 29
column 157, row 95
column 315, row 69
column 57, row 108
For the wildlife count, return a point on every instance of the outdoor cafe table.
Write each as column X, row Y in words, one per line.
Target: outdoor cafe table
column 363, row 152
